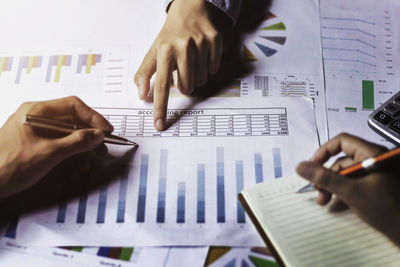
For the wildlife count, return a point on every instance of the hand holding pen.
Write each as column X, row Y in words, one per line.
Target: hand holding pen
column 68, row 128
column 26, row 156
column 374, row 196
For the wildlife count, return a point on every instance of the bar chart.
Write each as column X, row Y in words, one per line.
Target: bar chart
column 162, row 186
column 102, row 69
column 181, row 190
column 362, row 95
column 6, row 64
column 368, row 95
column 88, row 60
column 58, row 62
column 29, row 63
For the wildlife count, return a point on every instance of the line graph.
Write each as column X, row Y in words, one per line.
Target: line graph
column 349, row 29
column 357, row 39
column 349, row 49
column 350, row 60
column 349, row 19
column 349, row 39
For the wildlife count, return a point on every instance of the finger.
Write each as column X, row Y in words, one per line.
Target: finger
column 201, row 65
column 338, row 205
column 324, row 197
column 185, row 77
column 215, row 53
column 75, row 143
column 326, row 179
column 342, row 163
column 161, row 87
column 72, row 106
column 354, row 147
column 145, row 72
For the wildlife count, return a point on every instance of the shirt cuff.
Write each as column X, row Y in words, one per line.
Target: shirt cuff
column 229, row 7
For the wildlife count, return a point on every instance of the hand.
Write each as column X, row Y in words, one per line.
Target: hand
column 375, row 197
column 188, row 43
column 26, row 155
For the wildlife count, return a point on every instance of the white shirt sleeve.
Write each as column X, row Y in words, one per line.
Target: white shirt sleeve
column 229, row 7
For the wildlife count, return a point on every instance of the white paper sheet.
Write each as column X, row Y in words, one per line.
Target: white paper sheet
column 183, row 183
column 360, row 43
column 284, row 53
column 12, row 254
column 286, row 48
column 306, row 234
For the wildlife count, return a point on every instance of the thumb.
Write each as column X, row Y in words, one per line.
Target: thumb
column 77, row 142
column 327, row 179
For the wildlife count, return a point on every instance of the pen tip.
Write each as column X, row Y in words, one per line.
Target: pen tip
column 307, row 188
column 133, row 143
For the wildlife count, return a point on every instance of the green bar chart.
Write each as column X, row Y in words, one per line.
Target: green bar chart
column 368, row 94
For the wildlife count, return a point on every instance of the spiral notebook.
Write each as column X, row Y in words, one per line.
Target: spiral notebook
column 301, row 233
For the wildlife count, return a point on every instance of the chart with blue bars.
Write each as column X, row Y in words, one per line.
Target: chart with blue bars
column 182, row 187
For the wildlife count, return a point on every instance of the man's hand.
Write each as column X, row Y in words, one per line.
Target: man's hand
column 375, row 197
column 28, row 154
column 188, row 43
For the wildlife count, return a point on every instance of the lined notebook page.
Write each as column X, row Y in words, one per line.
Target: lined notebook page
column 306, row 234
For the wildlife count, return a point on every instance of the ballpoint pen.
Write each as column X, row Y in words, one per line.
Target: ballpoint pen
column 65, row 127
column 363, row 166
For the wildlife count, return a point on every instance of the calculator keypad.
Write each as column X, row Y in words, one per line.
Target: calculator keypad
column 383, row 117
column 386, row 119
column 392, row 109
column 395, row 126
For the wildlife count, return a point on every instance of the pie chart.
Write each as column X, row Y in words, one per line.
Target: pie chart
column 266, row 40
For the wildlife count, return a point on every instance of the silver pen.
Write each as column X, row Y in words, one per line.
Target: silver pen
column 65, row 127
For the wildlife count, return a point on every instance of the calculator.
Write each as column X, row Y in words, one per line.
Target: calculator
column 385, row 120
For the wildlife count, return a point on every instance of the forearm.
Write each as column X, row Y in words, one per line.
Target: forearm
column 8, row 166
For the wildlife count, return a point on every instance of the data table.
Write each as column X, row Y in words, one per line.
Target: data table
column 201, row 123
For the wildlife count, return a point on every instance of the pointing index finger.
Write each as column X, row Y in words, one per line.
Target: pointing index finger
column 162, row 85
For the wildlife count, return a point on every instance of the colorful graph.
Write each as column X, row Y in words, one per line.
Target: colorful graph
column 88, row 61
column 28, row 63
column 243, row 257
column 6, row 64
column 58, row 62
column 270, row 35
column 368, row 94
column 221, row 197
column 117, row 253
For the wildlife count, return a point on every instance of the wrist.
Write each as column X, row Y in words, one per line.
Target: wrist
column 215, row 14
column 8, row 167
column 394, row 230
